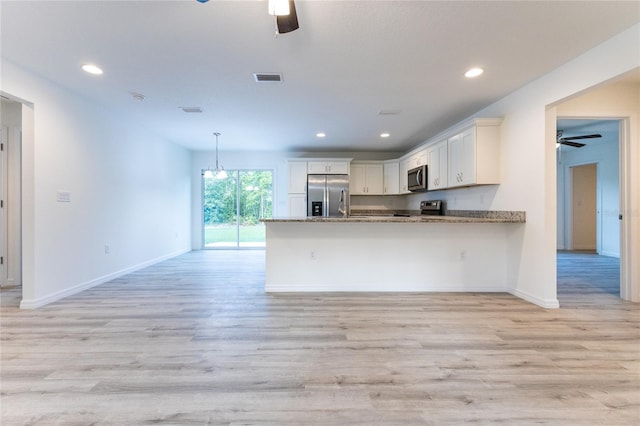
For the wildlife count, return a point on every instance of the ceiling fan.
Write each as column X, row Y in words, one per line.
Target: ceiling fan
column 285, row 13
column 570, row 140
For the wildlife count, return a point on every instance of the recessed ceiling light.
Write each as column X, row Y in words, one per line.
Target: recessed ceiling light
column 473, row 72
column 92, row 69
column 385, row 135
column 320, row 135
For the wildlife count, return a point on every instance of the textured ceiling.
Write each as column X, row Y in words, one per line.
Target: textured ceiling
column 348, row 61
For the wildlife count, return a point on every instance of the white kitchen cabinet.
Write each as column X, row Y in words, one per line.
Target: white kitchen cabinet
column 437, row 161
column 366, row 179
column 418, row 159
column 297, row 171
column 391, row 177
column 405, row 165
column 328, row 167
column 297, row 205
column 474, row 156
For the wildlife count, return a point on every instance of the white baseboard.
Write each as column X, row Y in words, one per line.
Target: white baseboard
column 377, row 288
column 543, row 303
column 609, row 254
column 41, row 301
column 584, row 247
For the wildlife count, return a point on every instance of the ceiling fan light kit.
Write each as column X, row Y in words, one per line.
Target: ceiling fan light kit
column 289, row 22
column 279, row 7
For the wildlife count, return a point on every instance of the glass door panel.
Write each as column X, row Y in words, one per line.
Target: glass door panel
column 220, row 211
column 233, row 207
column 255, row 204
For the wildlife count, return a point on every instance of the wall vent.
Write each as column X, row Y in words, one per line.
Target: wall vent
column 265, row 77
column 191, row 109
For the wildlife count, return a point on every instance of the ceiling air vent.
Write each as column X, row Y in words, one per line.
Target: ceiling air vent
column 267, row 77
column 191, row 109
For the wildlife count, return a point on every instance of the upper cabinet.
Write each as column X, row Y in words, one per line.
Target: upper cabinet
column 391, row 177
column 474, row 155
column 335, row 167
column 366, row 178
column 437, row 159
column 405, row 165
column 297, row 171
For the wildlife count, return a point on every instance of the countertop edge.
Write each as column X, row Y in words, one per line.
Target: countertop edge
column 461, row 217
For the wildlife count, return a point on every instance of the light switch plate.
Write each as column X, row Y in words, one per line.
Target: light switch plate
column 64, row 197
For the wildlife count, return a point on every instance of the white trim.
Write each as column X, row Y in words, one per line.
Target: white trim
column 543, row 303
column 610, row 254
column 629, row 243
column 36, row 303
column 391, row 287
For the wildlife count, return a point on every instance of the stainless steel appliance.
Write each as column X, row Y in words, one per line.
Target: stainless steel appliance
column 432, row 208
column 327, row 195
column 417, row 179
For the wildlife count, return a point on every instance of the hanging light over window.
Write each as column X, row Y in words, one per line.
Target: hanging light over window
column 218, row 172
column 279, row 7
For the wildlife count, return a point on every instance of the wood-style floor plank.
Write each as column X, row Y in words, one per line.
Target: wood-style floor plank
column 195, row 341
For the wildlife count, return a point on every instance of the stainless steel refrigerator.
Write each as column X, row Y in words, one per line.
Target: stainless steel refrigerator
column 327, row 194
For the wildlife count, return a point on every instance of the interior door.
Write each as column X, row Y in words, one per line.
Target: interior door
column 584, row 207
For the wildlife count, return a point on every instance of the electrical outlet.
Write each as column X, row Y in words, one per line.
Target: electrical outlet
column 463, row 255
column 312, row 255
column 107, row 249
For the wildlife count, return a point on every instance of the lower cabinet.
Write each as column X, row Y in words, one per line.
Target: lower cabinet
column 297, row 205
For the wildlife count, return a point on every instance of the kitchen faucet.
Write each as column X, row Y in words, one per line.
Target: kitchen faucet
column 342, row 206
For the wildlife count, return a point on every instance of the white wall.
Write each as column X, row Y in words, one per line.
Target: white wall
column 129, row 189
column 528, row 171
column 529, row 164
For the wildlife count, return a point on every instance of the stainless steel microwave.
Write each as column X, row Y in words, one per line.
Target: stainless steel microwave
column 417, row 179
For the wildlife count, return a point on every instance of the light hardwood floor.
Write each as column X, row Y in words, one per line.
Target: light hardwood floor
column 195, row 341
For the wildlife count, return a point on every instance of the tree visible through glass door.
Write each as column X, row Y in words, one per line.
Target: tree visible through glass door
column 233, row 207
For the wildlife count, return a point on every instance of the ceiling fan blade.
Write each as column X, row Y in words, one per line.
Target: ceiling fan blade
column 569, row 143
column 595, row 135
column 288, row 23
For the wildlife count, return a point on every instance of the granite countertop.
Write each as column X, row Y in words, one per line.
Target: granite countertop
column 452, row 216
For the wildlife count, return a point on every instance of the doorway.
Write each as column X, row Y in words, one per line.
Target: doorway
column 233, row 206
column 10, row 193
column 589, row 197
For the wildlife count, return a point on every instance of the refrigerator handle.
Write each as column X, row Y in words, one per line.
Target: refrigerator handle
column 326, row 202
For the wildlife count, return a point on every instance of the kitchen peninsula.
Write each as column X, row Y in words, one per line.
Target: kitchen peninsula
column 463, row 251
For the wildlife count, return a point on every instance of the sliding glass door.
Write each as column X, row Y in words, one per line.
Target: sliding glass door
column 233, row 206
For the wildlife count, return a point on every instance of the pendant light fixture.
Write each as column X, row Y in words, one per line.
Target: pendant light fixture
column 219, row 172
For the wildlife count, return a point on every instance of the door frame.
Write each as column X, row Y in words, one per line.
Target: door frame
column 4, row 223
column 238, row 245
column 629, row 229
